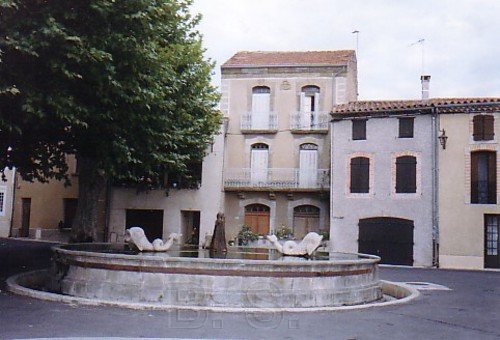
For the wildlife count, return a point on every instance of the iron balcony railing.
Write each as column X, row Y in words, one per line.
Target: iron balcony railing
column 255, row 122
column 310, row 121
column 277, row 178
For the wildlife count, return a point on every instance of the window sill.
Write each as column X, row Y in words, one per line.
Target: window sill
column 404, row 195
column 263, row 131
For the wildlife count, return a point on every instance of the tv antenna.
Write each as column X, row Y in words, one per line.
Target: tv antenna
column 421, row 42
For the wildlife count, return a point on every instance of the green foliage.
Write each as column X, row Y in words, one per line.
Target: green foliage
column 121, row 82
column 325, row 234
column 246, row 235
column 284, row 232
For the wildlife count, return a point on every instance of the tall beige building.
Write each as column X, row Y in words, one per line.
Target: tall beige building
column 277, row 149
column 469, row 194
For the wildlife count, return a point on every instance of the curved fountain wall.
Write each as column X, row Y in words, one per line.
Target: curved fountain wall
column 257, row 279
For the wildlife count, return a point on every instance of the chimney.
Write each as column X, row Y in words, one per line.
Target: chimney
column 425, row 80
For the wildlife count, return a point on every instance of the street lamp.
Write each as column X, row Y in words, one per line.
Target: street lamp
column 443, row 138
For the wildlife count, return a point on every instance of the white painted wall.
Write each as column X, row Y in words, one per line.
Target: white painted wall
column 207, row 199
column 6, row 214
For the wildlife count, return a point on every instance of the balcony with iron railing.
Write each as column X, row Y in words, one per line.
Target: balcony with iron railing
column 259, row 123
column 310, row 122
column 276, row 179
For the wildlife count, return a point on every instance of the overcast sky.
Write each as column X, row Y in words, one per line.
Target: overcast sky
column 461, row 48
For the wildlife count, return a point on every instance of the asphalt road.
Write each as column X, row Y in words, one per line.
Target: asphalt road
column 471, row 310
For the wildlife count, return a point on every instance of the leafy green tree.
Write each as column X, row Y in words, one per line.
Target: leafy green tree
column 121, row 84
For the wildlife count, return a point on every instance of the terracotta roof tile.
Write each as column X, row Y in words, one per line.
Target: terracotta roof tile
column 370, row 107
column 262, row 58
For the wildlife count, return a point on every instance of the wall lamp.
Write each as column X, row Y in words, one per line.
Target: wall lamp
column 443, row 138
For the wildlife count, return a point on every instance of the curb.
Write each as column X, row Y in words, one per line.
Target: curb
column 401, row 293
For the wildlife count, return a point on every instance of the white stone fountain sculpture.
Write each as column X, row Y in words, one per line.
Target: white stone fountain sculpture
column 136, row 238
column 306, row 247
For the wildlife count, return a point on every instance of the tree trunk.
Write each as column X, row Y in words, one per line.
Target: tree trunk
column 91, row 182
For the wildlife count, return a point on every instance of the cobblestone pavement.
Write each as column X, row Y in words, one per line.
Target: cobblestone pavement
column 471, row 310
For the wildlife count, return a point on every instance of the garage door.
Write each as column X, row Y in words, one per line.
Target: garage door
column 389, row 238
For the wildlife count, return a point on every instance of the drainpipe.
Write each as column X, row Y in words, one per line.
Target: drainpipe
column 14, row 185
column 435, row 188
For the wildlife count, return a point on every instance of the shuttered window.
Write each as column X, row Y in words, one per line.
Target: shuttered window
column 406, row 174
column 483, row 127
column 484, row 177
column 359, row 129
column 360, row 175
column 406, row 127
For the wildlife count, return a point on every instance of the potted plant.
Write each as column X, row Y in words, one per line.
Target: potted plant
column 246, row 235
column 284, row 232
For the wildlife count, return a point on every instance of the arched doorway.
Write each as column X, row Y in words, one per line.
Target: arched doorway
column 257, row 217
column 387, row 237
column 305, row 220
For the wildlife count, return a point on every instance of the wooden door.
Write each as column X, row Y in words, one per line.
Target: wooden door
column 25, row 219
column 491, row 241
column 305, row 220
column 257, row 217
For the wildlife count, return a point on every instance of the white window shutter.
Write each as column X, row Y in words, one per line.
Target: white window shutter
column 302, row 101
column 260, row 110
column 316, row 102
column 340, row 90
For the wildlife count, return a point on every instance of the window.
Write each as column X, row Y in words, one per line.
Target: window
column 484, row 177
column 191, row 180
column 308, row 165
column 360, row 175
column 2, row 203
column 309, row 106
column 310, row 98
column 406, row 127
column 359, row 129
column 259, row 160
column 406, row 174
column 261, row 107
column 483, row 127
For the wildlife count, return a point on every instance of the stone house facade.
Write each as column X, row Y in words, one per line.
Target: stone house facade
column 450, row 216
column 191, row 212
column 382, row 190
column 46, row 210
column 277, row 145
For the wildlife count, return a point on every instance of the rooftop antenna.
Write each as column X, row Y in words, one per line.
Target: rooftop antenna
column 421, row 42
column 357, row 40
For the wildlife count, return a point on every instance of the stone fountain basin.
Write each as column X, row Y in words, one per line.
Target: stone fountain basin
column 190, row 277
